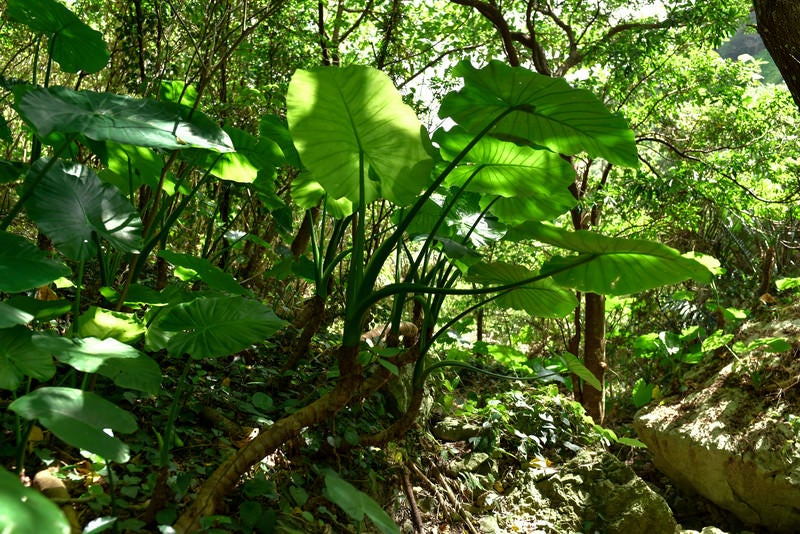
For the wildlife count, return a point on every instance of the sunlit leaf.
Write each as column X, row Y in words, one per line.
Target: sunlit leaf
column 544, row 111
column 10, row 316
column 123, row 364
column 541, row 299
column 613, row 266
column 341, row 117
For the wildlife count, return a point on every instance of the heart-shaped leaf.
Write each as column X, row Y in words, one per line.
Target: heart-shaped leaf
column 78, row 418
column 351, row 123
column 71, row 205
column 123, row 364
column 613, row 266
column 10, row 316
column 126, row 120
column 73, row 45
column 217, row 326
column 504, row 169
column 23, row 266
column 542, row 298
column 541, row 111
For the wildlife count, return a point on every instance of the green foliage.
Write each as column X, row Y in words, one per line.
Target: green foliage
column 26, row 511
column 80, row 418
column 356, row 503
column 23, row 266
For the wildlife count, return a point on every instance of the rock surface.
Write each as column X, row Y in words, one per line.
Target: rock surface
column 592, row 492
column 733, row 444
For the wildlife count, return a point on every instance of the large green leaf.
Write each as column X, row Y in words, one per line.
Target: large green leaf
column 23, row 266
column 126, row 120
column 339, row 117
column 123, row 364
column 20, row 358
column 73, row 45
column 356, row 503
column 217, row 326
column 41, row 310
column 26, row 511
column 71, row 205
column 78, row 418
column 541, row 299
column 502, row 168
column 614, row 266
column 212, row 275
column 543, row 111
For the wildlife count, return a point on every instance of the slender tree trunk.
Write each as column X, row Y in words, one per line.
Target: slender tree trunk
column 594, row 355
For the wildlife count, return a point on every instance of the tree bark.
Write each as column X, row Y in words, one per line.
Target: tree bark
column 778, row 23
column 594, row 355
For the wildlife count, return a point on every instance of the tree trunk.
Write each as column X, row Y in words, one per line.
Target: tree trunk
column 778, row 23
column 594, row 355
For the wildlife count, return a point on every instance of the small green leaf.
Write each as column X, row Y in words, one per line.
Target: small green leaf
column 642, row 393
column 356, row 503
column 78, row 418
column 26, row 511
column 577, row 368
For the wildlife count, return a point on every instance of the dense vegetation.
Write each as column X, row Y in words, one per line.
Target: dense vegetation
column 250, row 249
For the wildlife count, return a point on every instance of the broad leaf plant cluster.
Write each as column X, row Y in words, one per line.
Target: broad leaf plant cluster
column 498, row 172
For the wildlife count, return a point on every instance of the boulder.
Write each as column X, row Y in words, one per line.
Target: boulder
column 733, row 445
column 594, row 491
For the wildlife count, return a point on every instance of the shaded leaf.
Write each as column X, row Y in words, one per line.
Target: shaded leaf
column 20, row 358
column 23, row 266
column 218, row 326
column 73, row 45
column 71, row 205
column 356, row 503
column 576, row 367
column 26, row 511
column 126, row 120
column 10, row 316
column 78, row 418
column 212, row 275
